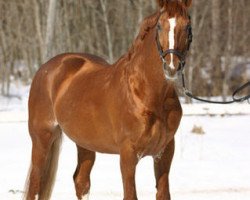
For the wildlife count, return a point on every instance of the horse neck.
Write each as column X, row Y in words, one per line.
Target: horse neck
column 145, row 73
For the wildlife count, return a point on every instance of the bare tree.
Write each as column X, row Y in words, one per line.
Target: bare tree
column 228, row 61
column 33, row 31
column 107, row 28
column 215, row 50
column 50, row 30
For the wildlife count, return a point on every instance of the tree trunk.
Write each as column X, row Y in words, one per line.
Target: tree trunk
column 107, row 28
column 228, row 61
column 140, row 11
column 215, row 48
column 50, row 30
column 39, row 33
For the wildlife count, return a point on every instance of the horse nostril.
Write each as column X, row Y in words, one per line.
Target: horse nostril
column 170, row 74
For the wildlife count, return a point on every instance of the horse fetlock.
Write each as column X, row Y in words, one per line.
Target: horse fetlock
column 85, row 197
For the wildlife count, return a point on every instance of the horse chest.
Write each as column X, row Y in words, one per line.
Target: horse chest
column 152, row 139
column 160, row 138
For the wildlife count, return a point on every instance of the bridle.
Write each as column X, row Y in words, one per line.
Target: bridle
column 179, row 54
column 182, row 57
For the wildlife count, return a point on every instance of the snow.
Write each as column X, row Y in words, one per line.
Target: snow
column 214, row 165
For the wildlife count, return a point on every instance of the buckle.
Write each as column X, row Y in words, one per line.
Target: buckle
column 163, row 60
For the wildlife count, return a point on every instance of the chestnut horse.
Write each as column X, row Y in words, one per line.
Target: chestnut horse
column 129, row 108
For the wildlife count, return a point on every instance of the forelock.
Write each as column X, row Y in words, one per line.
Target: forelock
column 175, row 8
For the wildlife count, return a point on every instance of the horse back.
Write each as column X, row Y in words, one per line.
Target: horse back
column 63, row 68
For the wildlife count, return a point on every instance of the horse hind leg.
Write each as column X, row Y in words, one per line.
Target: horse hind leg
column 46, row 144
column 45, row 134
column 81, row 176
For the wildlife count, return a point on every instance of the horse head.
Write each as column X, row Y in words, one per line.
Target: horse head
column 173, row 35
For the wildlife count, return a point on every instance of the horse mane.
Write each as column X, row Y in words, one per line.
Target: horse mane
column 173, row 8
column 147, row 24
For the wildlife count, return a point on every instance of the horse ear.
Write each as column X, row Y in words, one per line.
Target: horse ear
column 187, row 3
column 162, row 3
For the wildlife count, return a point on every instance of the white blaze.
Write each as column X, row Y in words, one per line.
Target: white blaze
column 172, row 22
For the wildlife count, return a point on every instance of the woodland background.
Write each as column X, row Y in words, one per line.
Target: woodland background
column 31, row 31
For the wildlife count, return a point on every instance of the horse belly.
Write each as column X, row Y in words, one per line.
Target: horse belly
column 87, row 123
column 98, row 140
column 80, row 106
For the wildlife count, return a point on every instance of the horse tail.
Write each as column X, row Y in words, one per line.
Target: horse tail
column 51, row 168
column 49, row 174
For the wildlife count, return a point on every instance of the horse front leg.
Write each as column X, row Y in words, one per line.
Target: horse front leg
column 162, row 168
column 162, row 165
column 128, row 162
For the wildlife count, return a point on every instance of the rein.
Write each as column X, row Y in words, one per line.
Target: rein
column 234, row 98
column 182, row 57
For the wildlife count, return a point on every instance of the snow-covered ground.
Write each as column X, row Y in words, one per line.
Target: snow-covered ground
column 214, row 165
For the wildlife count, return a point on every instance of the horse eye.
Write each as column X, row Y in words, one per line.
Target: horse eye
column 189, row 28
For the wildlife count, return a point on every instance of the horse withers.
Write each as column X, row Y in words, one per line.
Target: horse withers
column 128, row 108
